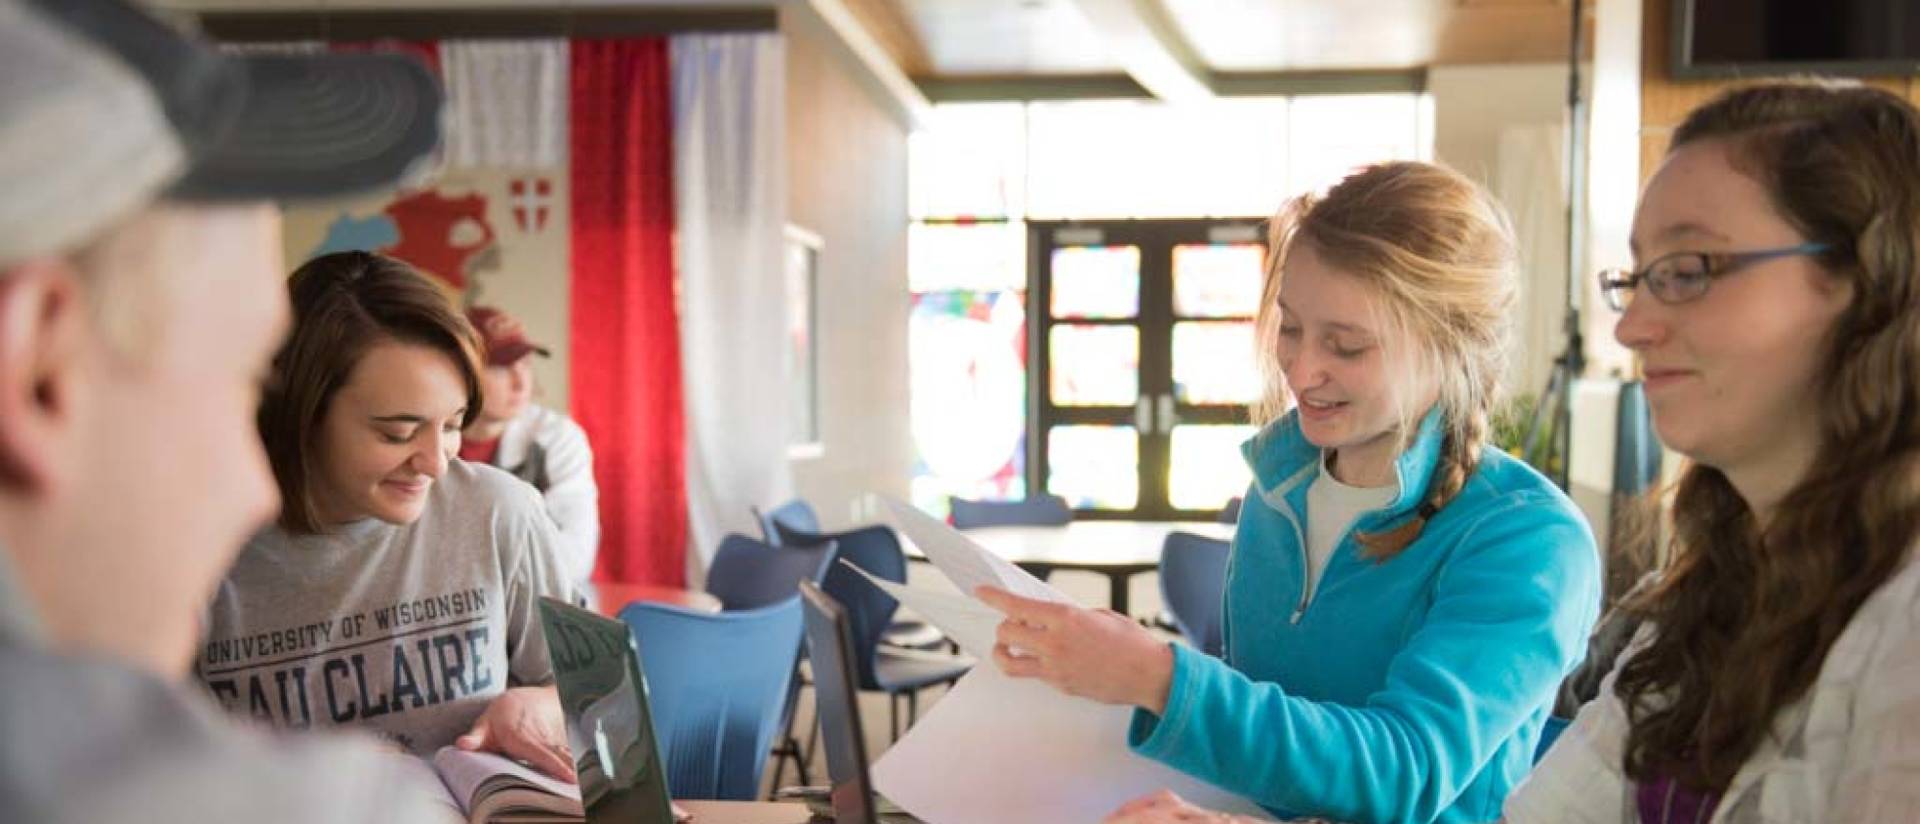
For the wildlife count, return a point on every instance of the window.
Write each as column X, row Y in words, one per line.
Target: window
column 802, row 266
column 1085, row 276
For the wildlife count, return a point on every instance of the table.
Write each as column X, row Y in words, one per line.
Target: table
column 1116, row 549
column 765, row 812
column 612, row 597
column 745, row 812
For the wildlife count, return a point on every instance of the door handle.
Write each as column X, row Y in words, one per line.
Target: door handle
column 1168, row 416
column 1143, row 414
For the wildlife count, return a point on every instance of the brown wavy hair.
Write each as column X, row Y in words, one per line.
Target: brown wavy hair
column 1745, row 611
column 1438, row 251
column 343, row 305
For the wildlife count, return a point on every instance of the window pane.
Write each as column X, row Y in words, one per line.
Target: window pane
column 1213, row 363
column 1332, row 135
column 1127, row 158
column 987, row 256
column 1220, row 280
column 969, row 162
column 1205, row 467
column 1095, row 365
column 967, row 354
column 1096, row 282
column 1095, row 467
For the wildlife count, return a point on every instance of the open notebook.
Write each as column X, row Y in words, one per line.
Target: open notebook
column 490, row 788
column 609, row 729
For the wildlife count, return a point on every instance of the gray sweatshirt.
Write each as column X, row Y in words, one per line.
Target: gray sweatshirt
column 405, row 630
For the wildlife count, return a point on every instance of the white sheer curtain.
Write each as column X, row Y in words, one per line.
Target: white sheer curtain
column 506, row 102
column 730, row 185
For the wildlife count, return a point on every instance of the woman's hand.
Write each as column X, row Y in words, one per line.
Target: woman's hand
column 1164, row 807
column 1097, row 654
column 525, row 723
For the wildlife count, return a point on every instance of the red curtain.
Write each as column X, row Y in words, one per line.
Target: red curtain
column 625, row 368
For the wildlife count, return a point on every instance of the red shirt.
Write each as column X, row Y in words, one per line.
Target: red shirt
column 479, row 451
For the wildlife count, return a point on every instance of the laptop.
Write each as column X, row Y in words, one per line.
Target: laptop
column 836, row 692
column 623, row 779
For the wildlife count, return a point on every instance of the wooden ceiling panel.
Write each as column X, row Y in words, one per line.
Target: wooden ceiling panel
column 884, row 20
column 1314, row 35
column 1006, row 37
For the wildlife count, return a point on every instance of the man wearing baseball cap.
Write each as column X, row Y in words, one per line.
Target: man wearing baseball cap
column 539, row 445
column 141, row 295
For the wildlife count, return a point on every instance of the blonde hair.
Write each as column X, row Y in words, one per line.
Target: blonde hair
column 1438, row 253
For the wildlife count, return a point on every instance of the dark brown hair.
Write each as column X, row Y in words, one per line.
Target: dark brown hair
column 343, row 305
column 1745, row 612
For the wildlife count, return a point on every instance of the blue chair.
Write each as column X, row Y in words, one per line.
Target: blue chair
column 898, row 673
column 717, row 682
column 747, row 574
column 796, row 514
column 1230, row 514
column 1045, row 510
column 1193, row 585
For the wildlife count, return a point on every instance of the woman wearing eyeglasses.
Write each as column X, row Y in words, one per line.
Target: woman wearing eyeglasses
column 1777, row 675
column 1778, row 319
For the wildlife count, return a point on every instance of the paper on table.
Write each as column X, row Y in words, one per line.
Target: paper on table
column 1017, row 752
column 964, row 562
column 971, row 624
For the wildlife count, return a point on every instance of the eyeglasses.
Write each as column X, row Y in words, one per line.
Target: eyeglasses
column 1684, row 276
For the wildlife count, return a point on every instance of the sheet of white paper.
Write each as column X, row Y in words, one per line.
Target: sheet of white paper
column 965, row 563
column 971, row 624
column 1017, row 752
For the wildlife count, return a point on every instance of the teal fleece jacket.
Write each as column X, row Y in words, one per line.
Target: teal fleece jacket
column 1407, row 690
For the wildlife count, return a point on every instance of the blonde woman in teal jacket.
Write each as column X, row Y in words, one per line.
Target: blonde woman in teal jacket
column 1402, row 601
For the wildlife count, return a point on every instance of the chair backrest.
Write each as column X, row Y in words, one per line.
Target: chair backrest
column 877, row 550
column 837, row 697
column 1045, row 510
column 1230, row 514
column 794, row 514
column 747, row 574
column 718, row 682
column 1193, row 584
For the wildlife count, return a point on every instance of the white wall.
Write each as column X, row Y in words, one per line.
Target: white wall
column 1505, row 127
column 847, row 173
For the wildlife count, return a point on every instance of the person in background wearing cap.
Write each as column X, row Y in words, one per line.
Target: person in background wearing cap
column 140, row 299
column 538, row 445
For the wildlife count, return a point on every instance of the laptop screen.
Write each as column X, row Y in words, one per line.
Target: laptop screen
column 623, row 779
column 830, row 646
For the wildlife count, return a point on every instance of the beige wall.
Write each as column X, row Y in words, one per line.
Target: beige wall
column 847, row 172
column 1473, row 104
column 525, row 272
column 1504, row 126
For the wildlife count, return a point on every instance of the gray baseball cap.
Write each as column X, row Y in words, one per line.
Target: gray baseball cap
column 105, row 108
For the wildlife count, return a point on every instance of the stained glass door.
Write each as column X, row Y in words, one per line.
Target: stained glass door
column 1144, row 363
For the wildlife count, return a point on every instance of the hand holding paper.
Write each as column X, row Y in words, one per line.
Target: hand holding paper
column 1095, row 654
column 1008, row 749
